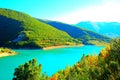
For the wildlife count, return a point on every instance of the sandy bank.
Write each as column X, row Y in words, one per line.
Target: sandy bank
column 6, row 54
column 63, row 46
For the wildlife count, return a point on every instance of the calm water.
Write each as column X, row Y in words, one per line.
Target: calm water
column 52, row 60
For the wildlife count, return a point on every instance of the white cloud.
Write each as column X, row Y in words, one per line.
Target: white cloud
column 109, row 11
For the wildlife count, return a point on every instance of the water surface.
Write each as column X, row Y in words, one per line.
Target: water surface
column 52, row 60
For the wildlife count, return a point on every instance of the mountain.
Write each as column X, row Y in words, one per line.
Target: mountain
column 111, row 29
column 75, row 32
column 19, row 30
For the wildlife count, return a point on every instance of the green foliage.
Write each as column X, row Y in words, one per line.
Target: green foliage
column 29, row 71
column 36, row 34
column 114, row 52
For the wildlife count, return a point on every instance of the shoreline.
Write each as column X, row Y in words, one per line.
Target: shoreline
column 62, row 46
column 46, row 48
column 6, row 54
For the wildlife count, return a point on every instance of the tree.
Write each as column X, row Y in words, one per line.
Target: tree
column 114, row 52
column 29, row 71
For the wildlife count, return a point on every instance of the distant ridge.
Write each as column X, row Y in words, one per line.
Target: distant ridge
column 111, row 29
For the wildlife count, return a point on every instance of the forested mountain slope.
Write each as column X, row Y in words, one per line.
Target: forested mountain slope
column 18, row 29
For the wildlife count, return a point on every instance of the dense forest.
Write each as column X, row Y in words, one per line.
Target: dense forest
column 105, row 66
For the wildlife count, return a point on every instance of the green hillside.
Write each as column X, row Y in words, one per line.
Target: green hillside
column 84, row 35
column 19, row 30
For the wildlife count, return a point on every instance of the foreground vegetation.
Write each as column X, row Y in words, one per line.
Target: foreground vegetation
column 106, row 66
column 29, row 71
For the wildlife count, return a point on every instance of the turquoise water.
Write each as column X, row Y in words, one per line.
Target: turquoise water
column 52, row 60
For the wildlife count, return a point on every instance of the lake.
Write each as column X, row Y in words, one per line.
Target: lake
column 52, row 60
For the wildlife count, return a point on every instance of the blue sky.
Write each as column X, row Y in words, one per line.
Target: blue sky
column 68, row 11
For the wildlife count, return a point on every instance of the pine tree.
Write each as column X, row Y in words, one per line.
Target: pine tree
column 29, row 71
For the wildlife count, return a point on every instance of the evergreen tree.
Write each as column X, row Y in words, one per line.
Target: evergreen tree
column 29, row 71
